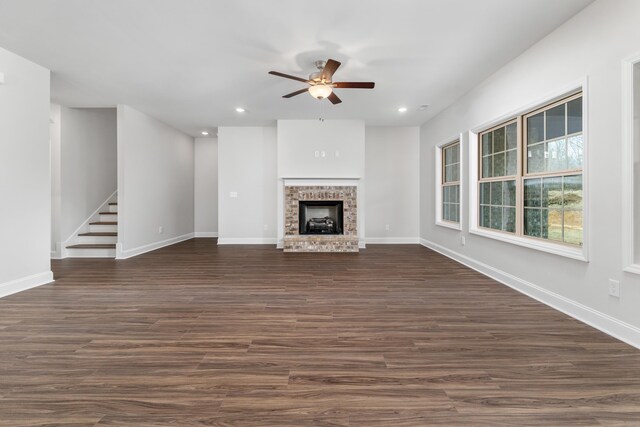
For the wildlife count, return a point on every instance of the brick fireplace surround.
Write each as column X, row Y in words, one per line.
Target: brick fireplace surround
column 294, row 242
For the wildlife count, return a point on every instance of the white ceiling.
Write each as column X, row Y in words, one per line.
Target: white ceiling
column 190, row 63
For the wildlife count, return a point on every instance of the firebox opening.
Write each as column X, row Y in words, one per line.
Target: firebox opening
column 321, row 216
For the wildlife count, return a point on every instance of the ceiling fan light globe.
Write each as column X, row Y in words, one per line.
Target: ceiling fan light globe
column 320, row 91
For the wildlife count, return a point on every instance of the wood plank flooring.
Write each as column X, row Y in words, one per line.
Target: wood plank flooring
column 201, row 335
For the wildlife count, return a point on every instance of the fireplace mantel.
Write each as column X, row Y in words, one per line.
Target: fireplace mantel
column 321, row 181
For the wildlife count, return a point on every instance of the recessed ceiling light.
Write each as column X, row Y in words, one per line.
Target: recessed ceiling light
column 402, row 109
column 205, row 133
column 240, row 110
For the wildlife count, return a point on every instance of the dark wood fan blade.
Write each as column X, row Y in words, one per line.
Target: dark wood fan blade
column 287, row 76
column 354, row 85
column 334, row 98
column 298, row 92
column 330, row 67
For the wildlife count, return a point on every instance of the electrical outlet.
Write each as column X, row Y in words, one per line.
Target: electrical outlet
column 317, row 153
column 463, row 241
column 266, row 227
column 323, row 153
column 233, row 194
column 614, row 288
column 386, row 227
column 160, row 230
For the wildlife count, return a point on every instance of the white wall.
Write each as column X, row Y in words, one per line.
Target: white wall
column 342, row 142
column 247, row 166
column 88, row 164
column 206, row 187
column 25, row 185
column 327, row 149
column 392, row 170
column 592, row 45
column 56, row 176
column 155, row 183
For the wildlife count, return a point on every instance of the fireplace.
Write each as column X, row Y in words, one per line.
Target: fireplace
column 320, row 217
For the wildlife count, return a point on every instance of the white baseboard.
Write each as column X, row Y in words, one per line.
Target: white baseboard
column 205, row 234
column 393, row 240
column 25, row 283
column 247, row 240
column 603, row 322
column 129, row 253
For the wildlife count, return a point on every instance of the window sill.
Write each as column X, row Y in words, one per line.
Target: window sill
column 451, row 225
column 552, row 248
column 633, row 268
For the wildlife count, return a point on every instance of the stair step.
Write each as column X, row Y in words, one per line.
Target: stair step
column 93, row 246
column 95, row 233
column 104, row 223
column 108, row 213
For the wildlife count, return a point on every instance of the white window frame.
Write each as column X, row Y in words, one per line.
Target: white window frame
column 577, row 253
column 439, row 182
column 629, row 152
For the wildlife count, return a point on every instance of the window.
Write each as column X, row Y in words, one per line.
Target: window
column 450, row 183
column 631, row 166
column 530, row 174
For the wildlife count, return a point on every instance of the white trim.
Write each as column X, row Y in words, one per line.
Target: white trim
column 24, row 283
column 290, row 182
column 205, row 234
column 578, row 253
column 129, row 253
column 609, row 325
column 247, row 241
column 628, row 168
column 393, row 240
column 438, row 181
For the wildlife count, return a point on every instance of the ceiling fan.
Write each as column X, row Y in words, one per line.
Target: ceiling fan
column 320, row 84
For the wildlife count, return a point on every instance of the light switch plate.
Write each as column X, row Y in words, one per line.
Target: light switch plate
column 233, row 194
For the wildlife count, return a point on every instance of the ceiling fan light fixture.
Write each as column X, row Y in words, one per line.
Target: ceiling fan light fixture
column 320, row 91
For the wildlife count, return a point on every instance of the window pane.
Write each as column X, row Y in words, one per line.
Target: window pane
column 532, row 192
column 512, row 136
column 499, row 164
column 456, row 171
column 509, row 193
column 574, row 116
column 456, row 193
column 456, row 153
column 496, row 218
column 448, row 156
column 535, row 158
column 552, row 192
column 448, row 174
column 509, row 219
column 557, row 155
column 553, row 225
column 485, row 215
column 486, row 144
column 555, row 122
column 512, row 162
column 532, row 222
column 496, row 193
column 574, row 152
column 498, row 140
column 485, row 194
column 535, row 128
column 573, row 227
column 445, row 211
column 445, row 194
column 572, row 199
column 487, row 169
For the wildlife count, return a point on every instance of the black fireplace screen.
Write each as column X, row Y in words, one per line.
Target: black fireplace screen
column 321, row 217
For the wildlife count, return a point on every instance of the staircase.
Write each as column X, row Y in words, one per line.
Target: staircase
column 99, row 241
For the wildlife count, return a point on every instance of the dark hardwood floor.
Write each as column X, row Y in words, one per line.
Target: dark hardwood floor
column 201, row 335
